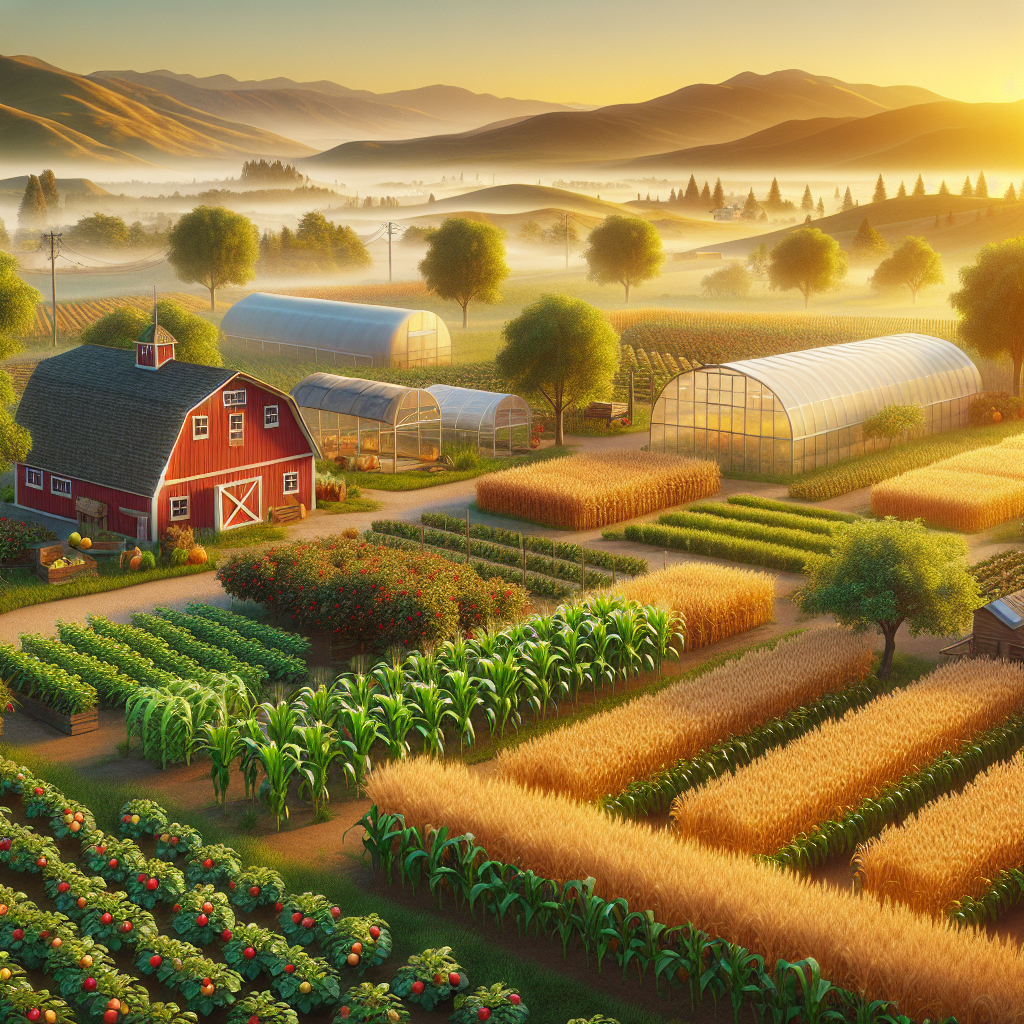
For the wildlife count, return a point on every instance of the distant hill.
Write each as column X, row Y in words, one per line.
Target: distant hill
column 51, row 114
column 518, row 199
column 692, row 116
column 65, row 186
column 924, row 137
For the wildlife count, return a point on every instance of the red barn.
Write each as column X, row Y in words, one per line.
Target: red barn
column 160, row 442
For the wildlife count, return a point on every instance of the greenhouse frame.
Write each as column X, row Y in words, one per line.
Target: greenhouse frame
column 795, row 412
column 348, row 416
column 345, row 333
column 479, row 417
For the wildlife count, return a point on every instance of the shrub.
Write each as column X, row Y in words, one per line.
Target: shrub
column 994, row 407
column 718, row 545
column 49, row 684
column 130, row 662
column 693, row 519
column 269, row 636
column 16, row 536
column 113, row 688
column 893, row 422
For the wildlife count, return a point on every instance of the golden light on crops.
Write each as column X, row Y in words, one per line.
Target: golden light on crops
column 952, row 847
column 831, row 769
column 586, row 491
column 883, row 951
column 603, row 754
column 715, row 601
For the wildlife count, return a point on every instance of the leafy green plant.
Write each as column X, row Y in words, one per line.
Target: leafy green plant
column 108, row 650
column 256, row 887
column 280, row 639
column 213, row 864
column 430, row 977
column 498, row 1004
column 223, row 743
column 112, row 920
column 112, row 686
column 279, row 764
column 309, row 986
column 153, row 647
column 49, row 684
column 203, row 915
column 253, row 950
column 264, row 1008
column 307, row 917
column 158, row 882
column 371, row 1004
column 142, row 818
column 358, row 943
column 177, row 840
column 112, row 858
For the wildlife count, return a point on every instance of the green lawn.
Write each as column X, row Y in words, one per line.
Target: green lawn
column 243, row 537
column 357, row 504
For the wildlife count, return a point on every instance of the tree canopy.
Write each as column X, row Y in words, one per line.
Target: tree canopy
column 18, row 303
column 48, row 183
column 893, row 422
column 317, row 246
column 809, row 260
column 32, row 211
column 867, row 245
column 562, row 349
column 214, row 246
column 718, row 196
column 100, row 231
column 989, row 302
column 889, row 573
column 624, row 249
column 733, row 281
column 465, row 261
column 880, row 194
column 915, row 265
column 919, row 186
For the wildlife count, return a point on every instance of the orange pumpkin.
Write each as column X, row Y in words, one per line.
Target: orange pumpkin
column 85, row 543
column 997, row 417
column 197, row 556
column 135, row 563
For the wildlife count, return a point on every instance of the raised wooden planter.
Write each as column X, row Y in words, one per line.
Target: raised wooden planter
column 106, row 547
column 70, row 725
column 48, row 555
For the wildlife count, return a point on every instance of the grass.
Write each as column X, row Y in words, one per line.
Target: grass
column 551, row 996
column 25, row 588
column 349, row 505
column 243, row 537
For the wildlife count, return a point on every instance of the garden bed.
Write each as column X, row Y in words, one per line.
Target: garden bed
column 70, row 725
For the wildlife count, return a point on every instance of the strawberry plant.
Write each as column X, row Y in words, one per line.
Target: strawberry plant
column 256, row 887
column 215, row 864
column 42, row 800
column 111, row 858
column 160, row 1013
column 111, row 919
column 497, row 1004
column 70, row 889
column 12, row 974
column 28, row 932
column 430, row 977
column 359, row 943
column 142, row 818
column 212, row 990
column 262, row 1008
column 253, row 950
column 203, row 915
column 75, row 960
column 371, row 1004
column 27, row 1004
column 304, row 983
column 13, row 777
column 157, row 882
column 105, row 989
column 177, row 841
column 23, row 850
column 73, row 820
column 171, row 960
column 307, row 917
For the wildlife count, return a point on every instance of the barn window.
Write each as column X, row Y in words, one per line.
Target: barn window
column 270, row 417
column 60, row 485
column 236, row 428
column 200, row 428
column 234, row 398
column 291, row 483
column 34, row 478
column 179, row 507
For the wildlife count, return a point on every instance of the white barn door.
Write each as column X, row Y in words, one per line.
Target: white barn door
column 239, row 503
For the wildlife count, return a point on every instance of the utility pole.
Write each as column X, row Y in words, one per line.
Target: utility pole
column 54, row 247
column 391, row 227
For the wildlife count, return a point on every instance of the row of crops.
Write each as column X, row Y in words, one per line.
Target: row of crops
column 1000, row 574
column 757, row 531
column 74, row 317
column 153, row 908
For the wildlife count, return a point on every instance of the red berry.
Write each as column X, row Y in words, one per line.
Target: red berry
column 202, row 920
column 254, row 1019
column 231, row 886
column 207, row 907
column 101, row 850
column 417, row 987
column 207, row 981
column 438, row 979
column 18, row 934
column 289, row 968
column 141, row 878
column 345, row 1011
column 207, row 863
column 41, row 862
column 105, row 918
column 278, row 907
column 126, row 926
column 38, row 791
column 254, row 890
column 248, row 952
column 374, row 932
column 296, row 917
column 110, row 1017
column 484, row 1013
column 335, row 912
column 155, row 961
column 226, row 935
column 127, row 819
column 515, row 999
column 454, row 980
column 112, row 863
column 32, row 1014
column 63, row 887
column 308, row 922
column 89, row 984
column 153, row 884
column 176, row 908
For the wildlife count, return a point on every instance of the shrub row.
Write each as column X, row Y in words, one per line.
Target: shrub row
column 112, row 687
column 48, row 684
column 768, row 517
column 280, row 639
column 718, row 545
column 123, row 657
column 749, row 531
column 808, row 511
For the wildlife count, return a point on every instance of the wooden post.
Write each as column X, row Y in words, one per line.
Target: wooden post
column 631, row 394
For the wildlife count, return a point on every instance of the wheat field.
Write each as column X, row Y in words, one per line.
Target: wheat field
column 715, row 601
column 954, row 846
column 882, row 951
column 603, row 754
column 590, row 490
column 821, row 774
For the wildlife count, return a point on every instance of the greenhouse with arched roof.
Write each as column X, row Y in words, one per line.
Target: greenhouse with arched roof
column 795, row 412
column 484, row 419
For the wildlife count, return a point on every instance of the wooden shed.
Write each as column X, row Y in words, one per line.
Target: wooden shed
column 998, row 631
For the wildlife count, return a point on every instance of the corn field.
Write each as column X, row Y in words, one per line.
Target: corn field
column 792, row 789
column 361, row 292
column 603, row 754
column 953, row 847
column 587, row 491
column 714, row 601
column 882, row 951
column 73, row 317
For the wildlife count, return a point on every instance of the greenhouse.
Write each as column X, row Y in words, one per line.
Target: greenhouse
column 484, row 419
column 354, row 419
column 343, row 333
column 795, row 412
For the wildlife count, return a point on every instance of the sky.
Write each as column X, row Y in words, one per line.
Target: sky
column 587, row 51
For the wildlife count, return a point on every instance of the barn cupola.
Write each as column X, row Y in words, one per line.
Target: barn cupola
column 154, row 348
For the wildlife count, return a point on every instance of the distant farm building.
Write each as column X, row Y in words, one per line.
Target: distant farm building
column 998, row 631
column 727, row 213
column 342, row 333
column 143, row 442
column 792, row 413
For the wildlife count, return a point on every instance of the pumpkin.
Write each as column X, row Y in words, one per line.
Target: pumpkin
column 85, row 543
column 135, row 563
column 197, row 556
column 997, row 417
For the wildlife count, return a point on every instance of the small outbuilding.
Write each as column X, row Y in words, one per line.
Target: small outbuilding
column 998, row 631
column 341, row 333
column 483, row 419
column 349, row 416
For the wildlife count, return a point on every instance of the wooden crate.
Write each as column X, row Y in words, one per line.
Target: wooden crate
column 70, row 725
column 606, row 411
column 287, row 513
column 50, row 554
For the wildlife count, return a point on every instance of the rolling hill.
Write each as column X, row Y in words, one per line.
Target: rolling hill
column 924, row 137
column 54, row 114
column 694, row 115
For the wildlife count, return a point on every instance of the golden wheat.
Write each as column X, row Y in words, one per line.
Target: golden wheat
column 883, row 951
column 715, row 601
column 954, row 846
column 603, row 754
column 1015, row 442
column 833, row 768
column 586, row 491
column 993, row 461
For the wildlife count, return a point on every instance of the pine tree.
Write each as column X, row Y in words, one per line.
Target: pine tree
column 49, row 186
column 981, row 186
column 919, row 186
column 807, row 203
column 5, row 239
column 32, row 211
column 718, row 196
column 774, row 194
column 1011, row 194
column 867, row 245
column 837, row 193
column 672, row 196
column 943, row 188
column 821, row 207
column 705, row 194
column 751, row 208
column 692, row 192
column 968, row 189
column 848, row 199
column 431, row 199
column 880, row 195
column 901, row 192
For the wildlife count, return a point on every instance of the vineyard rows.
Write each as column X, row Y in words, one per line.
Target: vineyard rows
column 73, row 317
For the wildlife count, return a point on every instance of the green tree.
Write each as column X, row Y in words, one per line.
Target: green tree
column 100, row 231
column 5, row 238
column 774, row 197
column 48, row 183
column 880, row 195
column 705, row 194
column 967, row 189
column 214, row 246
column 821, row 207
column 809, row 260
column 531, row 232
column 901, row 192
column 759, row 262
column 196, row 338
column 919, row 186
column 893, row 422
column 32, row 212
column 981, row 186
column 18, row 303
column 915, row 265
column 867, row 245
column 718, row 196
column 1010, row 196
column 562, row 349
column 137, row 237
column 751, row 208
column 989, row 302
column 943, row 188
column 888, row 573
column 624, row 249
column 465, row 261
column 733, row 281
column 848, row 199
column 692, row 195
column 339, row 246
column 807, row 203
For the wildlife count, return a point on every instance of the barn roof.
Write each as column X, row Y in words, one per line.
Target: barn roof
column 95, row 416
column 1009, row 609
